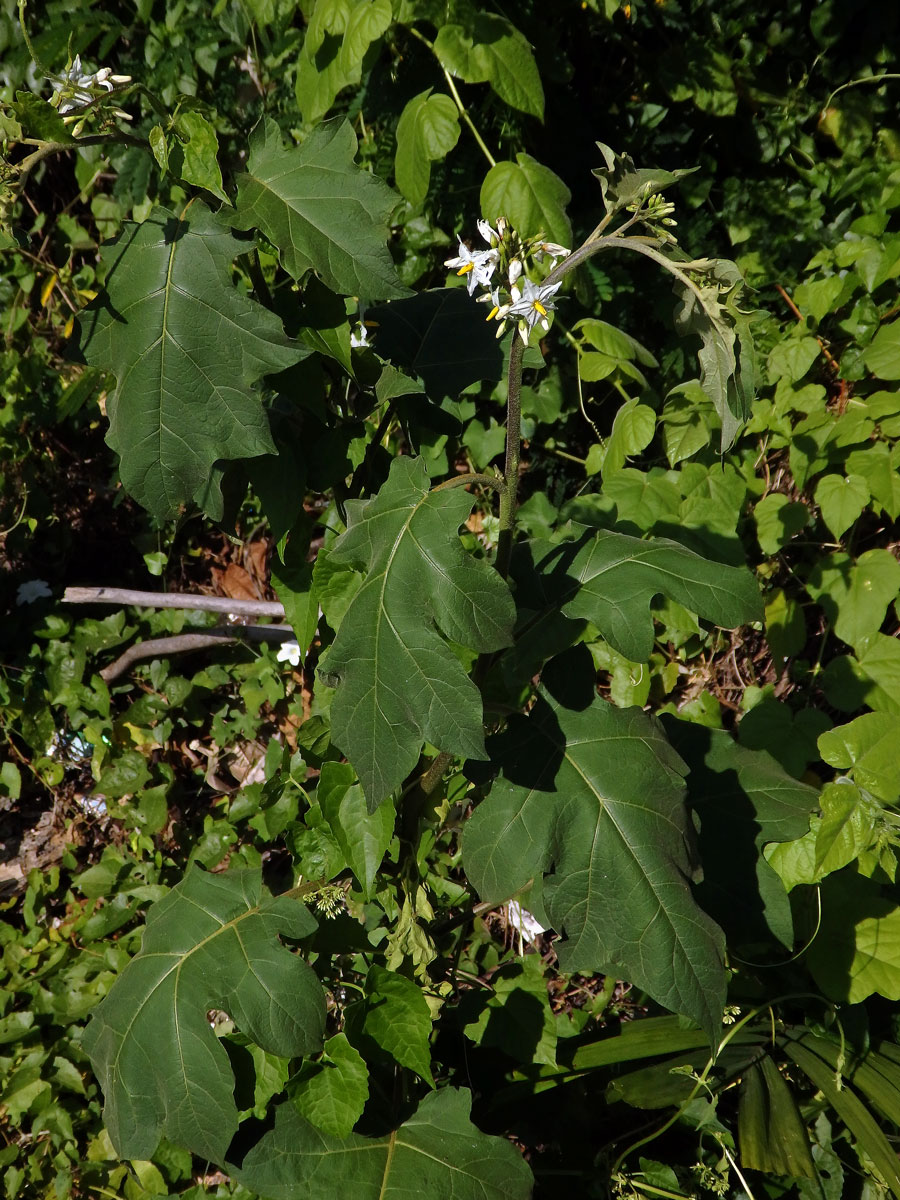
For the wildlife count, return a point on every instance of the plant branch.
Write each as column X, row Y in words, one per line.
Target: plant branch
column 218, row 604
column 473, row 477
column 184, row 642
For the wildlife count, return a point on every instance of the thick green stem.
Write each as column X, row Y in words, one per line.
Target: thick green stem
column 513, row 450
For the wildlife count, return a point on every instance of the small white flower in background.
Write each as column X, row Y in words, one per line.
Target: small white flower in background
column 75, row 89
column 290, row 652
column 359, row 337
column 525, row 923
column 34, row 589
column 92, row 806
column 531, row 304
column 479, row 265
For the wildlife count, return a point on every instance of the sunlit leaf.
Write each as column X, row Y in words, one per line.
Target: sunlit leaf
column 530, row 196
column 322, row 211
column 428, row 129
column 331, row 1093
column 491, row 50
column 337, row 38
column 186, row 348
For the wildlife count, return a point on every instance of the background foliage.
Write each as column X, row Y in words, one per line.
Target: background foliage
column 450, row 1029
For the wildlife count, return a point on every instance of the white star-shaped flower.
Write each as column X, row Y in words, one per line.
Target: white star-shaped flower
column 531, row 304
column 479, row 265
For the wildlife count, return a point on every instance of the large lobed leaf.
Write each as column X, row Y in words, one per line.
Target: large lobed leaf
column 399, row 681
column 745, row 800
column 186, row 349
column 594, row 801
column 212, row 943
column 321, row 210
column 438, row 1152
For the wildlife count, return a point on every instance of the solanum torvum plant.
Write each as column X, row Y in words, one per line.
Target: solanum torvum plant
column 455, row 703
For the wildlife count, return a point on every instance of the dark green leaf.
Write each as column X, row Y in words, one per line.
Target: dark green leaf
column 806, row 1053
column 321, row 210
column 615, row 576
column 212, row 943
column 399, row 682
column 771, row 1132
column 186, row 349
column 398, row 1020
column 442, row 337
column 745, row 800
column 594, row 800
column 40, row 119
column 438, row 1152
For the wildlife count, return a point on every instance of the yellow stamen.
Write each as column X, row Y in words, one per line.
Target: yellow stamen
column 540, row 308
column 492, row 313
column 466, row 269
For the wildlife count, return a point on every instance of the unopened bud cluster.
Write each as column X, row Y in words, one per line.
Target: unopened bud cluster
column 656, row 211
column 501, row 271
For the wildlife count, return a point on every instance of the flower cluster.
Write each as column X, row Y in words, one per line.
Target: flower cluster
column 516, row 298
column 75, row 88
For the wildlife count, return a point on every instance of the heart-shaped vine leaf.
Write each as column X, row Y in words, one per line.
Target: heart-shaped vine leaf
column 593, row 800
column 186, row 348
column 437, row 1152
column 427, row 131
column 491, row 50
column 323, row 211
column 399, row 681
column 212, row 943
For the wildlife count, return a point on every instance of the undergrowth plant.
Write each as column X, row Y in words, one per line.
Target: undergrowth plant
column 497, row 588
